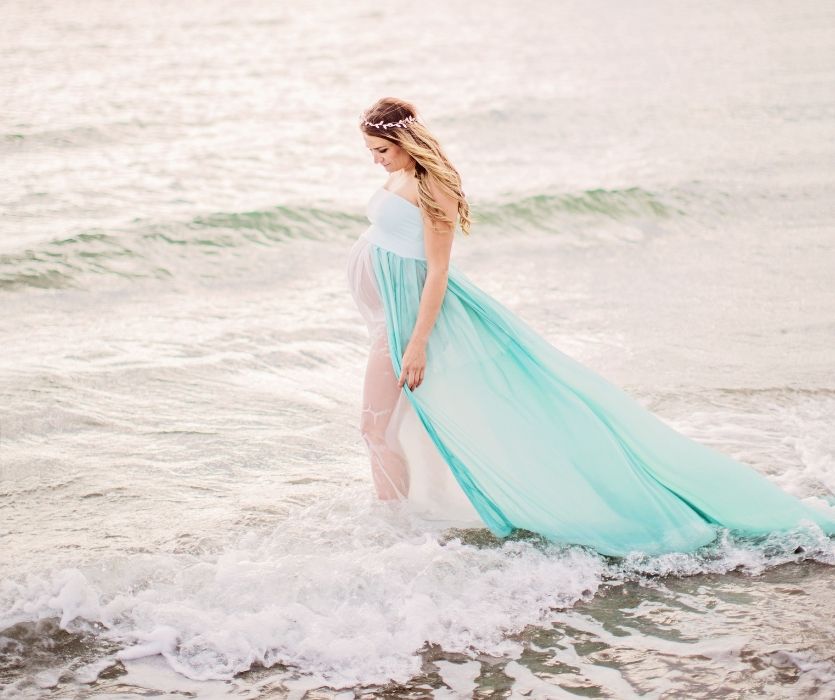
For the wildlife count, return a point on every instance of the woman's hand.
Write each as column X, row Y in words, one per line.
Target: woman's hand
column 414, row 364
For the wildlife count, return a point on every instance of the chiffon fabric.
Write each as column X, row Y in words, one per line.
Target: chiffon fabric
column 509, row 433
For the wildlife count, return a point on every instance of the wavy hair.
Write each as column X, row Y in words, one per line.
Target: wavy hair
column 414, row 138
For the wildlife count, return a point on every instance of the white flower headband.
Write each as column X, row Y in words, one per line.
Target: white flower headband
column 382, row 125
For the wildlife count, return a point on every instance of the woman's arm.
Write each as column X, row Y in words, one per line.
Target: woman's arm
column 437, row 240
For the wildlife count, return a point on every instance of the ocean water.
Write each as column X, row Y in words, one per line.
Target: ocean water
column 186, row 507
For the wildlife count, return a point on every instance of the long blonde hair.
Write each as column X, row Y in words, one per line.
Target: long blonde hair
column 414, row 138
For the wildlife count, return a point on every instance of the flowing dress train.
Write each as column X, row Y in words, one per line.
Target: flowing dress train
column 509, row 432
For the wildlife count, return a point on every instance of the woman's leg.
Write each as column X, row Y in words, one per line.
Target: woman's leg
column 380, row 394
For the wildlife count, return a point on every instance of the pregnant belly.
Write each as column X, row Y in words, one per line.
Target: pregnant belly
column 363, row 286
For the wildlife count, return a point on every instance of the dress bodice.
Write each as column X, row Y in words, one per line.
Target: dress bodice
column 396, row 224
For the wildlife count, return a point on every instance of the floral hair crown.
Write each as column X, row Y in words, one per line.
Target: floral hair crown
column 382, row 125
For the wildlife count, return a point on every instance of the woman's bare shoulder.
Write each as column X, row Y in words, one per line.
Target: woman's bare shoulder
column 444, row 199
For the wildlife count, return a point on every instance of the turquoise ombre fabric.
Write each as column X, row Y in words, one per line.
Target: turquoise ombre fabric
column 540, row 442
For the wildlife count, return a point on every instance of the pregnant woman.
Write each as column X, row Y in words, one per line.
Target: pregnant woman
column 476, row 419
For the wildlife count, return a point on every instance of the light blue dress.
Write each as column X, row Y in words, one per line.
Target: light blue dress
column 540, row 442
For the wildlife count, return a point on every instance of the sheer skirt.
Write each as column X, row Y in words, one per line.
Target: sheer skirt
column 405, row 463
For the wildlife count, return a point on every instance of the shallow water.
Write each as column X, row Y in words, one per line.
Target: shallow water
column 186, row 502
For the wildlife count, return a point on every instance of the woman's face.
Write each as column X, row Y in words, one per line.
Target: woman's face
column 391, row 156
